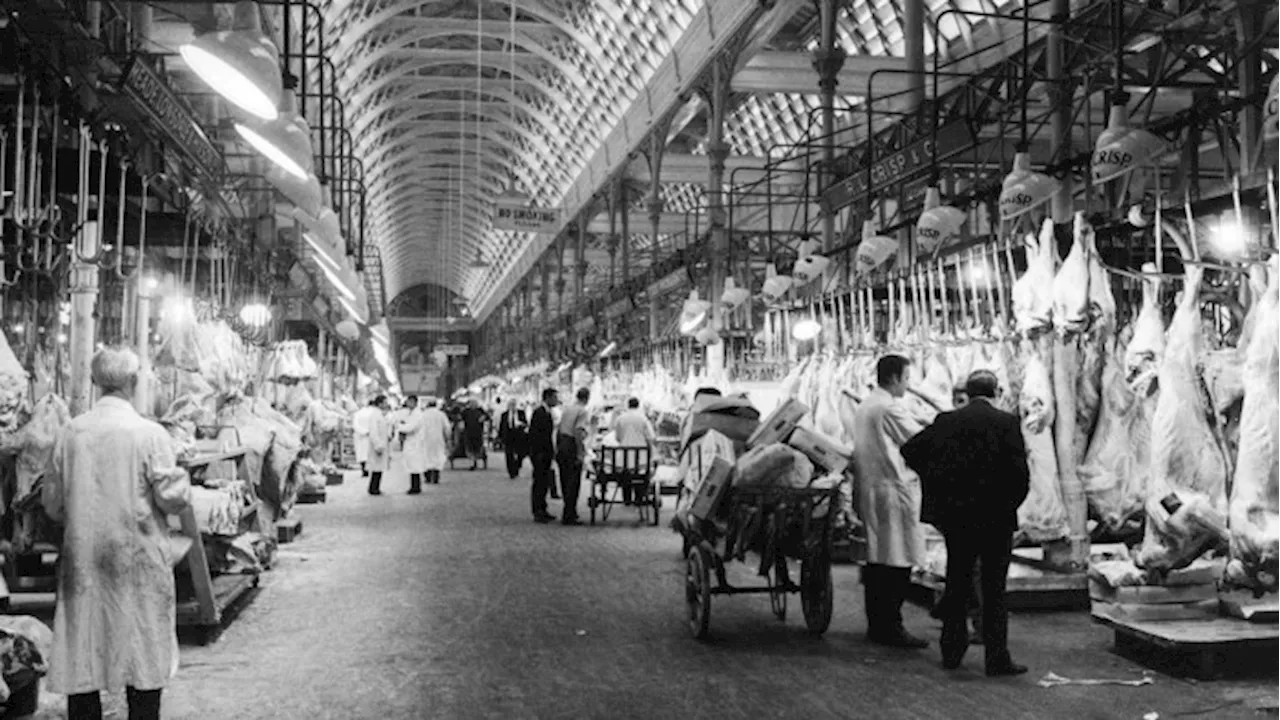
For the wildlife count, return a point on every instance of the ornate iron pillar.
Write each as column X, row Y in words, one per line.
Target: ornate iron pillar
column 1062, row 89
column 828, row 59
column 624, row 210
column 657, row 148
column 717, row 96
column 913, row 12
column 612, row 246
column 560, row 248
column 580, row 270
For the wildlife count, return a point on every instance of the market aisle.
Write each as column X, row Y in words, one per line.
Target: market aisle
column 455, row 605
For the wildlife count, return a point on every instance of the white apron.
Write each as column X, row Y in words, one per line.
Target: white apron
column 111, row 481
column 379, row 443
column 426, row 444
column 887, row 492
column 360, row 432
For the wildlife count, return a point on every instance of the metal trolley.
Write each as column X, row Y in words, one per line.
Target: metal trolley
column 624, row 476
column 778, row 525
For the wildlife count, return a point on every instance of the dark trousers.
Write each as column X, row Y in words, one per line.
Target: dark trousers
column 570, row 475
column 886, row 588
column 543, row 477
column 143, row 705
column 515, row 458
column 375, row 482
column 415, row 483
column 967, row 547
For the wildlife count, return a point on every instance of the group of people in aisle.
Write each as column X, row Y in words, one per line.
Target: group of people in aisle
column 965, row 473
column 556, row 439
column 423, row 435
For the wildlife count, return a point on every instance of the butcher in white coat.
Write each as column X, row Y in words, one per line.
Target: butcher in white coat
column 360, row 422
column 888, row 501
column 426, row 444
column 380, row 430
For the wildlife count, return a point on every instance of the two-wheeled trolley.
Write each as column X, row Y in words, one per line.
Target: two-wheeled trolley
column 778, row 525
column 624, row 476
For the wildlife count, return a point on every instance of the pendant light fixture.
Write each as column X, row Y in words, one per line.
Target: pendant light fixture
column 775, row 286
column 305, row 194
column 938, row 225
column 693, row 314
column 809, row 266
column 241, row 64
column 874, row 250
column 733, row 296
column 806, row 330
column 1121, row 149
column 1025, row 189
column 285, row 141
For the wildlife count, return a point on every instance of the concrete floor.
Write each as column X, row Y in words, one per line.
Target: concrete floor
column 454, row 604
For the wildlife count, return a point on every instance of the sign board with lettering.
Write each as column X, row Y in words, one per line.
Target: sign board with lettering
column 519, row 218
column 172, row 117
column 951, row 139
column 453, row 350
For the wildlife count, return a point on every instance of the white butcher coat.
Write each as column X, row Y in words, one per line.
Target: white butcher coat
column 380, row 428
column 360, row 430
column 426, row 444
column 111, row 482
column 887, row 492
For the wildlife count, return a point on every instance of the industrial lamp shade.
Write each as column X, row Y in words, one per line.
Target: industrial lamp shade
column 874, row 250
column 938, row 225
column 347, row 330
column 733, row 296
column 1024, row 189
column 809, row 267
column 1121, row 149
column 775, row 285
column 707, row 336
column 693, row 314
column 1271, row 111
column 240, row 64
column 306, row 194
column 285, row 141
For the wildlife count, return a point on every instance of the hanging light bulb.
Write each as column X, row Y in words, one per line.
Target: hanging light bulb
column 939, row 225
column 1024, row 189
column 240, row 64
column 775, row 285
column 809, row 267
column 284, row 140
column 693, row 314
column 304, row 193
column 874, row 250
column 806, row 330
column 733, row 296
column 1121, row 149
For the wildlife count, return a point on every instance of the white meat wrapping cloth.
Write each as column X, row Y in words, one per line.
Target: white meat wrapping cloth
column 774, row 465
column 112, row 480
column 886, row 491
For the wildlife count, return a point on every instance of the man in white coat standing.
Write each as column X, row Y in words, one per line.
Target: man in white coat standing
column 888, row 502
column 380, row 429
column 426, row 444
column 360, row 421
column 112, row 481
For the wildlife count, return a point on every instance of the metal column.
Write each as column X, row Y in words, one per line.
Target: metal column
column 657, row 148
column 717, row 153
column 1062, row 89
column 828, row 59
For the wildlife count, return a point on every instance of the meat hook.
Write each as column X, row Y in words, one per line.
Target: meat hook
column 142, row 230
column 17, row 207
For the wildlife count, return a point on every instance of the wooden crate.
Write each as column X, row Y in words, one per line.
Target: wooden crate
column 1212, row 644
column 288, row 529
column 312, row 496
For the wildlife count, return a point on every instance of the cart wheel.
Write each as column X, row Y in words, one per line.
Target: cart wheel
column 685, row 545
column 778, row 589
column 591, row 506
column 657, row 508
column 697, row 590
column 816, row 594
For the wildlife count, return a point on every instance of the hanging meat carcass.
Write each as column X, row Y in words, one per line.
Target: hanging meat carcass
column 1033, row 292
column 1145, row 351
column 1042, row 516
column 1071, row 282
column 1254, row 512
column 1096, row 346
column 1185, row 453
column 272, row 443
column 13, row 387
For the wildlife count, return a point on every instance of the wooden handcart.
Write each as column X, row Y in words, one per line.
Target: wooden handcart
column 624, row 476
column 778, row 525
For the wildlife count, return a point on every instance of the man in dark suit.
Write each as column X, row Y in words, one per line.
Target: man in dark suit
column 542, row 453
column 513, row 428
column 973, row 469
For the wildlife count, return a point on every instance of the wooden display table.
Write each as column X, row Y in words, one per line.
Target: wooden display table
column 1213, row 644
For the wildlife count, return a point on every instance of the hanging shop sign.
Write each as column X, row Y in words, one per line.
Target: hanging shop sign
column 519, row 218
column 173, row 117
column 915, row 158
column 419, row 379
column 453, row 350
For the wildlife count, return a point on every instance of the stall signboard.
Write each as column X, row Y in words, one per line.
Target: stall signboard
column 453, row 350
column 173, row 117
column 915, row 158
column 520, row 218
column 419, row 379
